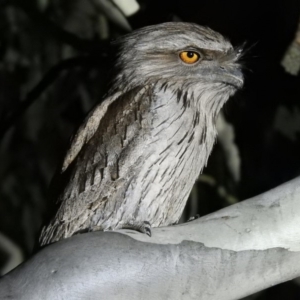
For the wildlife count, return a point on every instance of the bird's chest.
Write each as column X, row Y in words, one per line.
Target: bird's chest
column 182, row 134
column 179, row 140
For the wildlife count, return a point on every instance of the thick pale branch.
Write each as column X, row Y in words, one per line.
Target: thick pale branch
column 229, row 254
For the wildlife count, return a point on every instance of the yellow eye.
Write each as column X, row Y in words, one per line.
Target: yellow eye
column 189, row 57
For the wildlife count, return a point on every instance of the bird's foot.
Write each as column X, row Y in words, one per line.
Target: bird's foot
column 197, row 216
column 143, row 227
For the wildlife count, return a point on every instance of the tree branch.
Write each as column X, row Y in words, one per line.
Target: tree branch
column 226, row 255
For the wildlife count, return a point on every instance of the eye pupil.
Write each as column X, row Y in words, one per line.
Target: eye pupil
column 190, row 54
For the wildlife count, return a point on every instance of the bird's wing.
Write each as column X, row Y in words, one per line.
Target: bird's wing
column 91, row 171
column 87, row 130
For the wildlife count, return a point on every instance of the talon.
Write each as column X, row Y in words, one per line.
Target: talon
column 197, row 216
column 143, row 227
column 147, row 228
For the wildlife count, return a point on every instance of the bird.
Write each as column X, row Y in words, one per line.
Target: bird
column 135, row 158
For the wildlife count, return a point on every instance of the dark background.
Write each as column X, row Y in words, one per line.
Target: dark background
column 54, row 61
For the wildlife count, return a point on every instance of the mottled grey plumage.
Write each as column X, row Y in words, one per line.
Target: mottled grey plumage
column 138, row 154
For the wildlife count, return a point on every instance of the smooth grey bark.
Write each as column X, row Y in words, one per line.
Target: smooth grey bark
column 229, row 254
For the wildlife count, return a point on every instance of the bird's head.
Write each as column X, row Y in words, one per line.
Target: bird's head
column 180, row 53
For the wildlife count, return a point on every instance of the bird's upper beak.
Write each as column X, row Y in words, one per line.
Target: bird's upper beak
column 231, row 75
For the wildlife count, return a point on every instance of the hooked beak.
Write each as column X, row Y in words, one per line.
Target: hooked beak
column 230, row 75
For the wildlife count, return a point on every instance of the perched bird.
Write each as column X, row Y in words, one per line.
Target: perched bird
column 135, row 159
